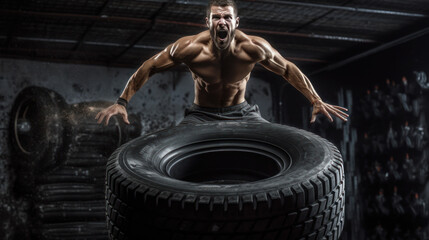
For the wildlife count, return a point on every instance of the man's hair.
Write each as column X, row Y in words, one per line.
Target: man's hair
column 221, row 3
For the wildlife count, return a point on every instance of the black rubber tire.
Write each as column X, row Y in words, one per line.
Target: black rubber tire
column 71, row 211
column 69, row 174
column 73, row 191
column 36, row 133
column 89, row 143
column 49, row 193
column 82, row 120
column 74, row 231
column 226, row 180
column 59, row 156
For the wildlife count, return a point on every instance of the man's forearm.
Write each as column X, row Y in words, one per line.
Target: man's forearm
column 136, row 81
column 297, row 79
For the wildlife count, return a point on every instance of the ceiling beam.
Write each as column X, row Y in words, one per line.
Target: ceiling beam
column 13, row 27
column 311, row 5
column 69, row 41
column 31, row 54
column 141, row 36
column 138, row 46
column 343, row 8
column 315, row 19
column 88, row 28
column 102, row 18
column 163, row 21
column 372, row 51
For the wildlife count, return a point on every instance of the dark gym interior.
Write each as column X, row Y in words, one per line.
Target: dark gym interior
column 370, row 56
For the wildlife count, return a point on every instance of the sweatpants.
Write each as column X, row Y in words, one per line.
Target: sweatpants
column 240, row 112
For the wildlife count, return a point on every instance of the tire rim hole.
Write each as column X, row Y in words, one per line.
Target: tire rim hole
column 233, row 166
column 26, row 127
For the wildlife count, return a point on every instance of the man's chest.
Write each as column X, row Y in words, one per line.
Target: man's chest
column 227, row 68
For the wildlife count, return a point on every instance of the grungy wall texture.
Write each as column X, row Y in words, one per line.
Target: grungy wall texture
column 160, row 104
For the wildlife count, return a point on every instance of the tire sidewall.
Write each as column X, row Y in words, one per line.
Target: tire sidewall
column 50, row 106
column 306, row 150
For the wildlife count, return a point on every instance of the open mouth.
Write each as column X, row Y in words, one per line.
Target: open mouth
column 222, row 34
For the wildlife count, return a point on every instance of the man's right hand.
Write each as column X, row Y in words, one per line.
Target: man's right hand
column 108, row 112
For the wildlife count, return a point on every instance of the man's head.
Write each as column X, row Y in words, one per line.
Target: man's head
column 222, row 21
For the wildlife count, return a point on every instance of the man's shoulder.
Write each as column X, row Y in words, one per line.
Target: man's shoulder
column 192, row 40
column 252, row 44
column 189, row 45
column 251, row 40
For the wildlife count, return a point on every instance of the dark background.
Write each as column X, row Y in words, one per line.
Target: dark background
column 86, row 51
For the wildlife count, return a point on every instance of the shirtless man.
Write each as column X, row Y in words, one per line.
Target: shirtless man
column 220, row 60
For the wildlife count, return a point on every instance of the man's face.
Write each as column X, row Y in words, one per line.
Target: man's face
column 222, row 24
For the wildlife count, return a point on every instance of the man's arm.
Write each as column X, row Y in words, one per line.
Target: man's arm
column 158, row 63
column 273, row 61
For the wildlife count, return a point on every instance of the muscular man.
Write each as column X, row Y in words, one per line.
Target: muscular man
column 220, row 60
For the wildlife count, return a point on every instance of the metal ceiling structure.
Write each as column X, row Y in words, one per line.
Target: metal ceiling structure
column 315, row 34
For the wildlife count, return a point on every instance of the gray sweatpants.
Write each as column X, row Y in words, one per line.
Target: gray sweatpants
column 239, row 112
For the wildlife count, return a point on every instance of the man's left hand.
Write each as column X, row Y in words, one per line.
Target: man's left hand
column 327, row 109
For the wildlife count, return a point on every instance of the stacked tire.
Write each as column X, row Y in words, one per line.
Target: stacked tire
column 60, row 154
column 226, row 180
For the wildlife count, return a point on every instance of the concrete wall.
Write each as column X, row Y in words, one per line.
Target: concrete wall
column 160, row 104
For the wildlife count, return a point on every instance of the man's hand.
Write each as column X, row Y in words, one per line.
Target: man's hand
column 108, row 112
column 327, row 109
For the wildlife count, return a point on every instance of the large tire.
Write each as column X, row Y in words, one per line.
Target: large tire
column 60, row 154
column 91, row 142
column 226, row 180
column 74, row 231
column 73, row 192
column 36, row 133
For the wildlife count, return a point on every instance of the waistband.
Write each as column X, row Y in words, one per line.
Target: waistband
column 232, row 108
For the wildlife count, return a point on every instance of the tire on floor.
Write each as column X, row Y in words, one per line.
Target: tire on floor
column 59, row 156
column 226, row 180
column 36, row 133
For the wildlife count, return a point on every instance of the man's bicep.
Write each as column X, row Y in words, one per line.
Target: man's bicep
column 269, row 57
column 275, row 63
column 162, row 61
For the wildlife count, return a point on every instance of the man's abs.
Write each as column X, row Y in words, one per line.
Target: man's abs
column 218, row 95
